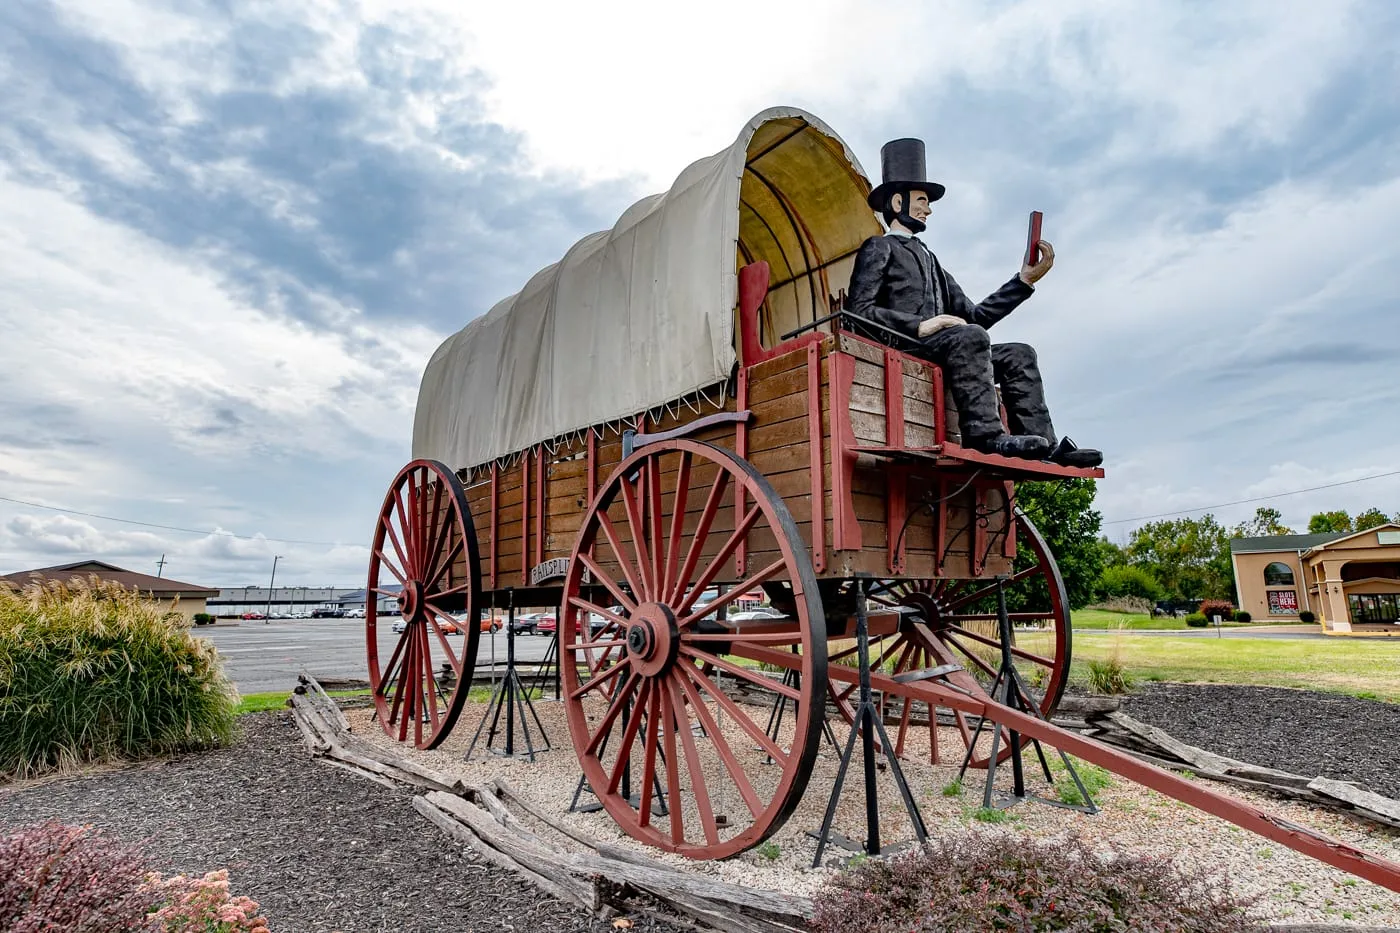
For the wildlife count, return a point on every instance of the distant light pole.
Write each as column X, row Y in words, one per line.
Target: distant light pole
column 268, row 614
column 160, row 565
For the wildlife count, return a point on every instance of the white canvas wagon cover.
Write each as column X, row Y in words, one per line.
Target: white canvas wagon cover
column 643, row 314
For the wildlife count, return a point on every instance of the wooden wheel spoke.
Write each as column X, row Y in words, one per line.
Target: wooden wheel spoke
column 996, row 643
column 615, row 708
column 402, row 700
column 637, row 522
column 752, row 677
column 731, row 545
column 654, row 725
column 673, row 545
column 722, row 747
column 629, row 735
column 702, row 534
column 411, row 565
column 670, row 725
column 961, row 601
column 727, row 704
column 735, row 592
column 430, row 682
column 433, row 531
column 656, row 528
column 612, row 617
column 597, row 680
column 442, row 637
column 386, row 677
column 445, row 565
column 589, row 645
column 971, row 655
column 607, row 581
column 698, row 787
column 393, row 537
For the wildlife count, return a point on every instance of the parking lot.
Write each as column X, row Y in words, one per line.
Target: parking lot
column 266, row 656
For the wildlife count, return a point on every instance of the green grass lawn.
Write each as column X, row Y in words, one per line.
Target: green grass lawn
column 1362, row 667
column 1099, row 618
column 277, row 699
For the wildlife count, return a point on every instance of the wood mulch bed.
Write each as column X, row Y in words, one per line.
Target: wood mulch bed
column 319, row 849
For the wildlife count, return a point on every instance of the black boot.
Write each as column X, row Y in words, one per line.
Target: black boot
column 1068, row 453
column 1024, row 446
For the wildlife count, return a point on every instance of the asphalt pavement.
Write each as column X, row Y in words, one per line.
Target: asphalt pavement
column 261, row 657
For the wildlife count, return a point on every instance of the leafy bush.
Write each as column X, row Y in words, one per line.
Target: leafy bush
column 1307, row 617
column 1128, row 580
column 1108, row 677
column 1242, row 616
column 203, row 618
column 1217, row 607
column 1197, row 620
column 1000, row 881
column 89, row 671
column 1133, row 604
column 56, row 877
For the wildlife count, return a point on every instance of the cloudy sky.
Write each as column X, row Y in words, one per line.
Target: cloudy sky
column 231, row 233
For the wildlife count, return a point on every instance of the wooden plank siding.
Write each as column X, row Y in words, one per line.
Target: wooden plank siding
column 779, row 448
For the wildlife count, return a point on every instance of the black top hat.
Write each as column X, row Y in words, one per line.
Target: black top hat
column 902, row 167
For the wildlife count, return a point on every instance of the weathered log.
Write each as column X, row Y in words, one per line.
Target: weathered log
column 463, row 833
column 323, row 700
column 360, row 772
column 1364, row 800
column 505, row 789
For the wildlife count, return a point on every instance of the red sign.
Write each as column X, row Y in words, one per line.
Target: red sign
column 1283, row 602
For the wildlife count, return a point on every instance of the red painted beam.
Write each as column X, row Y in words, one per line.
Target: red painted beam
column 814, row 445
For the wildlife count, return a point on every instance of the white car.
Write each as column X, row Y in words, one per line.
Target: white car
column 355, row 614
column 758, row 614
column 399, row 626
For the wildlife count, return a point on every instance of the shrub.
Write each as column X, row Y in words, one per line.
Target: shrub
column 56, row 877
column 203, row 618
column 1197, row 620
column 1133, row 604
column 89, row 671
column 1127, row 580
column 1001, row 881
column 1307, row 617
column 1108, row 677
column 1217, row 607
column 1242, row 616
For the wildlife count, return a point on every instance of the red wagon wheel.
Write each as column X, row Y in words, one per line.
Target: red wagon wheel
column 956, row 623
column 425, row 540
column 651, row 692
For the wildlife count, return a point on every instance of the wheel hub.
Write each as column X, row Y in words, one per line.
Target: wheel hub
column 652, row 639
column 927, row 607
column 411, row 600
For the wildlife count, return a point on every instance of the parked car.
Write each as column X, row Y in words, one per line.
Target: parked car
column 526, row 623
column 489, row 625
column 253, row 615
column 400, row 626
column 355, row 614
column 547, row 624
column 757, row 614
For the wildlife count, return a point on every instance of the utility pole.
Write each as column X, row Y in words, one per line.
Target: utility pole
column 267, row 616
column 160, row 565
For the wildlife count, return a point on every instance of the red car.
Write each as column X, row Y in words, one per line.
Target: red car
column 546, row 625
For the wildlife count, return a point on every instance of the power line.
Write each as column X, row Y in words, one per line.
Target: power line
column 188, row 531
column 1277, row 495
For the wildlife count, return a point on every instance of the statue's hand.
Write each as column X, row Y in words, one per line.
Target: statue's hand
column 1030, row 274
column 936, row 323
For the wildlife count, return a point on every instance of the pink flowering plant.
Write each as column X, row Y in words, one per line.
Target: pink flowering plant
column 75, row 878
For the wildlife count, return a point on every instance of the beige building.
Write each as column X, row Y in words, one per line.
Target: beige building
column 184, row 598
column 1350, row 581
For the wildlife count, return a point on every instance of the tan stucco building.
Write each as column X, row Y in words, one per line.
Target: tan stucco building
column 1349, row 580
column 184, row 598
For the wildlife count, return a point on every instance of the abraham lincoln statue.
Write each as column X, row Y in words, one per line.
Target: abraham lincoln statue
column 899, row 284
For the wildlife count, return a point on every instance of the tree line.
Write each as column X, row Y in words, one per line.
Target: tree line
column 1177, row 559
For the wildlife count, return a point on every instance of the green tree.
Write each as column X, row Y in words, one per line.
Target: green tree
column 1324, row 522
column 1190, row 557
column 1111, row 555
column 1266, row 521
column 1370, row 519
column 1129, row 581
column 1065, row 514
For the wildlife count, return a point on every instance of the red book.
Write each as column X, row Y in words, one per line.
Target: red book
column 1033, row 238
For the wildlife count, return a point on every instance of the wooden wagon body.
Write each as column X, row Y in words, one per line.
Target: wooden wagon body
column 816, row 468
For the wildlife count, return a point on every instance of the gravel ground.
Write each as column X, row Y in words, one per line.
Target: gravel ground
column 318, row 848
column 1339, row 737
column 1293, row 888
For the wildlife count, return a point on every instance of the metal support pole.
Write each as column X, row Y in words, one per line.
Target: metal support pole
column 267, row 615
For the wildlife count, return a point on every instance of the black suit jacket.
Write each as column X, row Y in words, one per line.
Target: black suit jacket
column 892, row 287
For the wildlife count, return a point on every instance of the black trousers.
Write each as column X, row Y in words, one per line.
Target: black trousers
column 973, row 367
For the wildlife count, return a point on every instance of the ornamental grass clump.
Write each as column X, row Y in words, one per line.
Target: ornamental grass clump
column 994, row 881
column 90, row 671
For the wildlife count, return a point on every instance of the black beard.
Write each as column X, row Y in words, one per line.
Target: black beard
column 909, row 223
